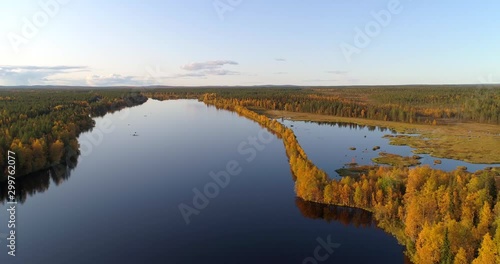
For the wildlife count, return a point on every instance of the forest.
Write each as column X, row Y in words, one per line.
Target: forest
column 410, row 104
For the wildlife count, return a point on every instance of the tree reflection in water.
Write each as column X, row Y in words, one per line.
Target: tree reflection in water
column 359, row 218
column 345, row 215
column 38, row 182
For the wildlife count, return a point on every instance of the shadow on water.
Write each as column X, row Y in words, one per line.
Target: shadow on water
column 329, row 213
column 38, row 182
column 353, row 126
column 347, row 216
column 343, row 125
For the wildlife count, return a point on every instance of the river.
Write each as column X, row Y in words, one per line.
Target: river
column 182, row 182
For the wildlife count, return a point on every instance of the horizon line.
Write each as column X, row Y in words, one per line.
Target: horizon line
column 240, row 86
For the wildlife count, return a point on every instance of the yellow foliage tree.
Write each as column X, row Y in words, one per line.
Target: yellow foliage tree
column 485, row 219
column 429, row 244
column 39, row 156
column 488, row 252
column 56, row 151
column 461, row 257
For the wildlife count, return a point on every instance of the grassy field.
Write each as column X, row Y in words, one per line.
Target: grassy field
column 470, row 142
column 396, row 160
column 355, row 171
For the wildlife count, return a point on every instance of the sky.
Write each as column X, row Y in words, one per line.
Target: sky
column 248, row 42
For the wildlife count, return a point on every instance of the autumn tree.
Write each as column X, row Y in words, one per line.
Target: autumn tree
column 428, row 245
column 461, row 257
column 39, row 156
column 487, row 252
column 485, row 220
column 56, row 151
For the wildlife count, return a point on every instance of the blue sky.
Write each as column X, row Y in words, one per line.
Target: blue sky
column 248, row 42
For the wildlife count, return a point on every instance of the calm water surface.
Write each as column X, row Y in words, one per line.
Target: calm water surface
column 327, row 145
column 120, row 204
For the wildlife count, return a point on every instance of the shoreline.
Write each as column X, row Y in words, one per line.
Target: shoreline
column 469, row 142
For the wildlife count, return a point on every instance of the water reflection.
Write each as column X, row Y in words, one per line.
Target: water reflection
column 348, row 216
column 353, row 126
column 345, row 215
column 38, row 182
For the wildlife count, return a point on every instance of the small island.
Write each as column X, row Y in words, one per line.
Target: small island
column 397, row 160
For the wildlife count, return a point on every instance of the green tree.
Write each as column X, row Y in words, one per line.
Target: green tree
column 446, row 256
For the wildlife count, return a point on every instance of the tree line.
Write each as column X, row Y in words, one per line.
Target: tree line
column 433, row 104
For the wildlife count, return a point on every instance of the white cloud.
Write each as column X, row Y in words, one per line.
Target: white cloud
column 219, row 72
column 205, row 69
column 34, row 75
column 204, row 74
column 208, row 65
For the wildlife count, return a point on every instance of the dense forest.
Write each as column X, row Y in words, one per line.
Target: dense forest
column 42, row 126
column 411, row 104
column 441, row 217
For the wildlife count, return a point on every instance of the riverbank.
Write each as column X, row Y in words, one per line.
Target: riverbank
column 469, row 142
